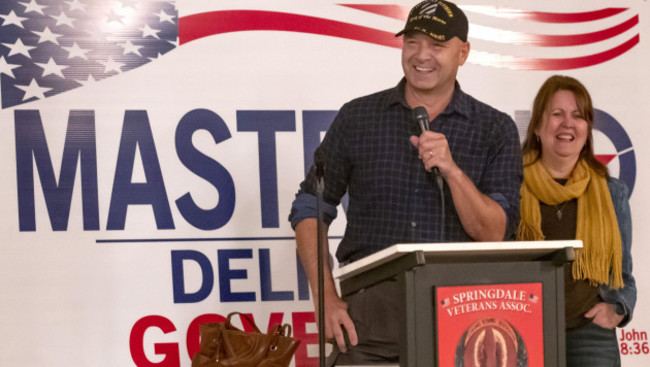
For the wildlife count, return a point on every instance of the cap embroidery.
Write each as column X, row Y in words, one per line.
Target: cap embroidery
column 429, row 9
column 448, row 10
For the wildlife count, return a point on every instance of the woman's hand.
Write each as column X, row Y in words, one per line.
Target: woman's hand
column 604, row 315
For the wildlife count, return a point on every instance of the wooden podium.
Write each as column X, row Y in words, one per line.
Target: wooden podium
column 463, row 301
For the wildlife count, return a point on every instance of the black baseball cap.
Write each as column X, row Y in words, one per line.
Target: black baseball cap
column 439, row 19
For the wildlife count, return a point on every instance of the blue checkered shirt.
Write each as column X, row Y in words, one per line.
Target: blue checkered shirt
column 392, row 199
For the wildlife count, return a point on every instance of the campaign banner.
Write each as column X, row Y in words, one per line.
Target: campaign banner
column 152, row 150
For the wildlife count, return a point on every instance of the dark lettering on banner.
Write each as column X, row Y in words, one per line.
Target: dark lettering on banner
column 178, row 276
column 226, row 274
column 266, row 124
column 137, row 133
column 266, row 280
column 80, row 150
column 180, row 259
column 206, row 168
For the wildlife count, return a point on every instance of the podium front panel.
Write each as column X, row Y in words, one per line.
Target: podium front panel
column 489, row 324
column 422, row 335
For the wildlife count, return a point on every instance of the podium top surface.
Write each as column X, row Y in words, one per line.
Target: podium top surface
column 526, row 250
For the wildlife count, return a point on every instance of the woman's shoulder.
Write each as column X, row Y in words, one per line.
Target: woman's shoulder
column 617, row 188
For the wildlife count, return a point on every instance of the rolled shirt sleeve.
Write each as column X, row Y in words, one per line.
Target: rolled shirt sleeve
column 305, row 206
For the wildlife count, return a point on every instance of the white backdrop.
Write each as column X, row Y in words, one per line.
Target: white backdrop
column 228, row 116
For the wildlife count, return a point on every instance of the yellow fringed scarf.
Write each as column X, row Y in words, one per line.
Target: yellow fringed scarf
column 600, row 260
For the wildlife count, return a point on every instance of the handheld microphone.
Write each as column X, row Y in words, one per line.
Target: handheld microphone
column 422, row 117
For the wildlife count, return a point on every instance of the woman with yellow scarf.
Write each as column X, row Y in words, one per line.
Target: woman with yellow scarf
column 568, row 194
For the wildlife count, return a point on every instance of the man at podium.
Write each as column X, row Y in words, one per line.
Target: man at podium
column 392, row 166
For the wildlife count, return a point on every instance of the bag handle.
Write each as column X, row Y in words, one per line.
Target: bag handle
column 282, row 330
column 244, row 316
column 276, row 332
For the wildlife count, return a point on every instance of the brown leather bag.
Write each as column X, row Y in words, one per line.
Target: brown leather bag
column 223, row 345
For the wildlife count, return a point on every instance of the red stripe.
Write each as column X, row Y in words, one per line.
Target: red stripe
column 570, row 17
column 581, row 39
column 391, row 11
column 206, row 24
column 570, row 63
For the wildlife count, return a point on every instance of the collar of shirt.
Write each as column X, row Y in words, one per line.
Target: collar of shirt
column 456, row 104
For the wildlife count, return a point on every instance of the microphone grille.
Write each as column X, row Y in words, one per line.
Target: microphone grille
column 420, row 113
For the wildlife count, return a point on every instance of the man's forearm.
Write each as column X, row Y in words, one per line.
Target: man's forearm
column 337, row 321
column 482, row 218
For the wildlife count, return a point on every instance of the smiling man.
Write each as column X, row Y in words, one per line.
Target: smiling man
column 377, row 153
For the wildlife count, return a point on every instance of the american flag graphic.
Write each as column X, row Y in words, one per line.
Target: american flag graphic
column 533, row 298
column 52, row 46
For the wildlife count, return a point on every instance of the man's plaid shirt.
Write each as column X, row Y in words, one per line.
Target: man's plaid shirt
column 392, row 199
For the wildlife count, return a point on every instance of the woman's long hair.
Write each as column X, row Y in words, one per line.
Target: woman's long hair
column 532, row 144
